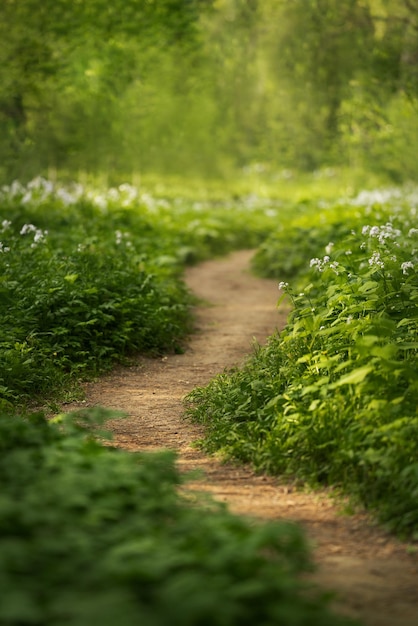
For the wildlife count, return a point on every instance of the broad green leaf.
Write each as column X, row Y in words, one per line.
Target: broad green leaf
column 369, row 286
column 353, row 378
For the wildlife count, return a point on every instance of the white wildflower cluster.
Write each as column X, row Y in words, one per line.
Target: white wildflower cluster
column 5, row 226
column 68, row 197
column 39, row 235
column 98, row 199
column 128, row 194
column 376, row 196
column 40, row 190
column 406, row 266
column 412, row 232
column 121, row 237
column 283, row 286
column 37, row 191
column 382, row 233
column 376, row 260
column 13, row 190
column 321, row 264
column 124, row 195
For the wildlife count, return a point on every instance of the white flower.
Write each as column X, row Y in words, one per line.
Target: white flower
column 408, row 265
column 39, row 236
column 375, row 259
column 66, row 197
column 388, row 232
column 27, row 228
column 329, row 247
column 283, row 286
column 4, row 248
column 5, row 225
column 319, row 264
column 412, row 231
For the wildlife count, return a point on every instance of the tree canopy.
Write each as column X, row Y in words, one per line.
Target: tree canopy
column 206, row 85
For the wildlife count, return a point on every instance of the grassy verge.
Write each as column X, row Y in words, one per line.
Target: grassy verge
column 89, row 278
column 333, row 398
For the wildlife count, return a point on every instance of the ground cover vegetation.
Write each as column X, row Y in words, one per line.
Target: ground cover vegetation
column 332, row 399
column 91, row 534
column 89, row 278
column 208, row 90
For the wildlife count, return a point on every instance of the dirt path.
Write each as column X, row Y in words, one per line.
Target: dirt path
column 375, row 576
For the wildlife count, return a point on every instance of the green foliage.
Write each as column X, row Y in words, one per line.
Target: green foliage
column 333, row 398
column 89, row 278
column 91, row 534
column 284, row 252
column 207, row 88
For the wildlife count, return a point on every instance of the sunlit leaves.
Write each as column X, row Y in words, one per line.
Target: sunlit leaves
column 340, row 403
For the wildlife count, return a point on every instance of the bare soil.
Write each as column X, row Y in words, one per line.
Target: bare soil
column 375, row 576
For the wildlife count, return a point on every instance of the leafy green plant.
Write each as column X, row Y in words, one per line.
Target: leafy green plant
column 333, row 398
column 91, row 534
column 88, row 278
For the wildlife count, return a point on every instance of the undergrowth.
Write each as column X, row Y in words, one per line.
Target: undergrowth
column 94, row 535
column 89, row 278
column 333, row 398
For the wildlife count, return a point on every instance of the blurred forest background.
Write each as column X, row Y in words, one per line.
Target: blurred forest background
column 208, row 87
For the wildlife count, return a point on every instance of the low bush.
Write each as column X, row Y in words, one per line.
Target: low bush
column 333, row 398
column 88, row 278
column 94, row 535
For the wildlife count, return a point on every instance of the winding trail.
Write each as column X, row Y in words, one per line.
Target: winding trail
column 374, row 575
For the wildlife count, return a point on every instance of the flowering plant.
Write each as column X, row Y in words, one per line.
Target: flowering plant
column 333, row 398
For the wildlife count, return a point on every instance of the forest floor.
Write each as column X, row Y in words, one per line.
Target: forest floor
column 374, row 575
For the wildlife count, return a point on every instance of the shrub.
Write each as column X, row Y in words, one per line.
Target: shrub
column 91, row 534
column 332, row 399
